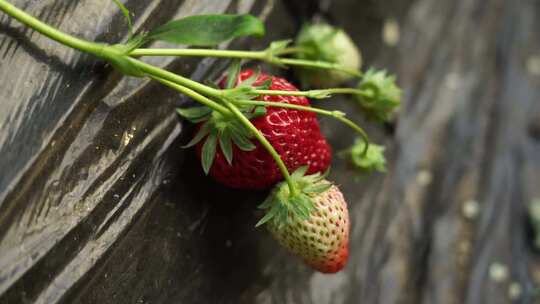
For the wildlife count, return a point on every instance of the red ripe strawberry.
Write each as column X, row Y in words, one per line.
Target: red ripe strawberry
column 312, row 224
column 294, row 134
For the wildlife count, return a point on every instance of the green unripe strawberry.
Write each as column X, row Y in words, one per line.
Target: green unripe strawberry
column 382, row 96
column 323, row 42
column 313, row 225
column 368, row 160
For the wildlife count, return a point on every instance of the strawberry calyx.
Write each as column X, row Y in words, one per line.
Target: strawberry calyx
column 226, row 130
column 370, row 159
column 381, row 95
column 222, row 130
column 324, row 42
column 282, row 204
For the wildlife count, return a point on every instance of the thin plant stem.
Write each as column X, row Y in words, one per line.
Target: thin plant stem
column 336, row 114
column 266, row 144
column 196, row 96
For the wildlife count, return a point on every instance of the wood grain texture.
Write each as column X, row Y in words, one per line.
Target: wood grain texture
column 99, row 204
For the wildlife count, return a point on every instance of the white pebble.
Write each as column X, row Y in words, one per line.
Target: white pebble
column 424, row 178
column 498, row 272
column 470, row 209
column 391, row 32
column 514, row 291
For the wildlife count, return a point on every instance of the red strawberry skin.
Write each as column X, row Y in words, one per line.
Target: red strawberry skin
column 323, row 240
column 294, row 134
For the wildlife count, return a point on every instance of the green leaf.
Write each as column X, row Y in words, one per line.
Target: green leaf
column 127, row 15
column 226, row 146
column 242, row 142
column 195, row 114
column 208, row 30
column 232, row 73
column 205, row 129
column 209, row 152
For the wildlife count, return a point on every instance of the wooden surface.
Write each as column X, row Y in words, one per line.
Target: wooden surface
column 99, row 204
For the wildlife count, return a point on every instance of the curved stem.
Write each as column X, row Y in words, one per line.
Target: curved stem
column 336, row 114
column 172, row 77
column 288, row 106
column 198, row 97
column 316, row 94
column 51, row 32
column 319, row 64
column 266, row 144
column 358, row 129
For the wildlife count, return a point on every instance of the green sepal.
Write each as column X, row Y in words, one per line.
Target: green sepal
column 368, row 160
column 248, row 83
column 281, row 206
column 318, row 188
column 268, row 216
column 195, row 114
column 203, row 131
column 279, row 45
column 225, row 143
column 264, row 85
column 242, row 142
column 232, row 73
column 209, row 152
column 258, row 112
column 381, row 96
column 301, row 171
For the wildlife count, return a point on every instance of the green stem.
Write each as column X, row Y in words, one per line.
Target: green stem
column 51, row 32
column 198, row 53
column 288, row 106
column 358, row 129
column 172, row 77
column 316, row 94
column 266, row 144
column 336, row 114
column 256, row 55
column 196, row 96
column 319, row 64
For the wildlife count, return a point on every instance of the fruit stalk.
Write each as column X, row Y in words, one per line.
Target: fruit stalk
column 317, row 94
column 335, row 114
column 196, row 96
column 255, row 55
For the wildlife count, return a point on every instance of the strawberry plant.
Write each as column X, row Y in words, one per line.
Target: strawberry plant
column 258, row 131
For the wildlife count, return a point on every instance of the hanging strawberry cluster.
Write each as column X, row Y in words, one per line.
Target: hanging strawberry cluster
column 258, row 131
